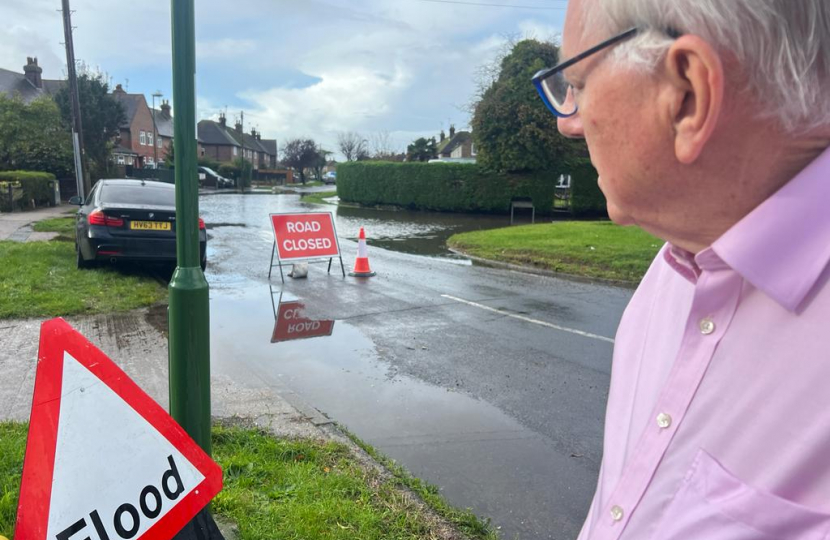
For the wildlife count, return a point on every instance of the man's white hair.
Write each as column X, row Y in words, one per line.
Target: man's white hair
column 783, row 46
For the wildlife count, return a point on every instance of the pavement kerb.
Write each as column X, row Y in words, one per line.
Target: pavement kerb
column 13, row 224
column 547, row 273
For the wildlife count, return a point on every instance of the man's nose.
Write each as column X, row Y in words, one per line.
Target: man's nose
column 571, row 126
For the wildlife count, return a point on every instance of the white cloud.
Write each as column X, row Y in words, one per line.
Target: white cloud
column 297, row 67
column 224, row 49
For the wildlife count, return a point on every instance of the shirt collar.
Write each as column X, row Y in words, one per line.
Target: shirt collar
column 783, row 246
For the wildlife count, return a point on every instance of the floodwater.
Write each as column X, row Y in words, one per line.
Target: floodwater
column 405, row 231
column 479, row 456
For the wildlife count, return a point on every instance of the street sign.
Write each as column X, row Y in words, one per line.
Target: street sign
column 103, row 460
column 303, row 237
column 291, row 324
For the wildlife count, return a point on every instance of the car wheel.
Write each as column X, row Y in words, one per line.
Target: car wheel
column 80, row 262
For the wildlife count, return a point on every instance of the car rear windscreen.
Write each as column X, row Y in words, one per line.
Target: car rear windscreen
column 137, row 194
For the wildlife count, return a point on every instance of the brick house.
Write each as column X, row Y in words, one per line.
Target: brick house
column 30, row 84
column 222, row 143
column 138, row 144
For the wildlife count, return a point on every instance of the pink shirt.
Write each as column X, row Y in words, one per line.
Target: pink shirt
column 718, row 420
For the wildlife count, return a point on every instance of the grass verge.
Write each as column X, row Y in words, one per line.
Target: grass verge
column 464, row 520
column 318, row 197
column 65, row 226
column 597, row 249
column 39, row 279
column 273, row 488
column 12, row 448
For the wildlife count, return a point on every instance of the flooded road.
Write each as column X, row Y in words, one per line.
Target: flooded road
column 490, row 384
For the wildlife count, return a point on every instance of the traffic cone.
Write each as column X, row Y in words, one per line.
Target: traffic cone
column 361, row 264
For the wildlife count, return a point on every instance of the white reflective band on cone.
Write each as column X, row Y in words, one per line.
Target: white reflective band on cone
column 362, row 250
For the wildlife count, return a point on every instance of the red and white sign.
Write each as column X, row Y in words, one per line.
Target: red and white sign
column 291, row 324
column 305, row 236
column 103, row 460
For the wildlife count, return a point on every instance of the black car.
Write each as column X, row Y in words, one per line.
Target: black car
column 129, row 220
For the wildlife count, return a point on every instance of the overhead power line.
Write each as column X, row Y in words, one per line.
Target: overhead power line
column 560, row 8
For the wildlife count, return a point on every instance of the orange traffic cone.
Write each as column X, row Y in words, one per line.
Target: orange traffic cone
column 361, row 264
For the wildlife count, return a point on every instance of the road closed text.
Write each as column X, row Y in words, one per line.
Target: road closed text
column 304, row 245
column 305, row 236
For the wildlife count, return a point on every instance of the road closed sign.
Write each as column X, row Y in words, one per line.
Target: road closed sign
column 103, row 460
column 304, row 236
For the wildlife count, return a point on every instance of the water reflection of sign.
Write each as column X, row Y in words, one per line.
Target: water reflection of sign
column 292, row 324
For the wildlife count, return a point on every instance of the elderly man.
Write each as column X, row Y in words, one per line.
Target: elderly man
column 709, row 124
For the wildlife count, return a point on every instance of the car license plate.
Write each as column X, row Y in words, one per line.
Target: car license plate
column 150, row 225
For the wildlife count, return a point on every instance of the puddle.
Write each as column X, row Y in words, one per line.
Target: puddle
column 463, row 445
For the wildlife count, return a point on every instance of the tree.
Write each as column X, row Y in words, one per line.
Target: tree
column 352, row 145
column 300, row 154
column 422, row 150
column 102, row 116
column 512, row 128
column 383, row 149
column 34, row 137
column 245, row 169
column 320, row 162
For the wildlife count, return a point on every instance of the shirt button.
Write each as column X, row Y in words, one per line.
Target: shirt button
column 663, row 420
column 616, row 513
column 707, row 326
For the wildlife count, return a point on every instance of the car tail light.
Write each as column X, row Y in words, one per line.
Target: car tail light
column 201, row 224
column 99, row 218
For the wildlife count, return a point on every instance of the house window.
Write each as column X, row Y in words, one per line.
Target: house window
column 203, row 151
column 120, row 160
column 129, row 161
column 142, row 138
column 234, row 150
column 151, row 163
column 149, row 139
column 159, row 142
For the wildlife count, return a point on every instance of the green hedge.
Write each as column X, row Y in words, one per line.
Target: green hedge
column 36, row 185
column 586, row 197
column 455, row 187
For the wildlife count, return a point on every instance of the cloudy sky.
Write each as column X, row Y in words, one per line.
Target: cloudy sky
column 298, row 68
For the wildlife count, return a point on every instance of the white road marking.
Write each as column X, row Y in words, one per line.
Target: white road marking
column 528, row 319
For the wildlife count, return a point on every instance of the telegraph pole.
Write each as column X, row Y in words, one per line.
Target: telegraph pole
column 242, row 172
column 75, row 105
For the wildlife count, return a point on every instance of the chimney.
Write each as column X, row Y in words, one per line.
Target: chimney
column 165, row 109
column 238, row 127
column 442, row 136
column 259, row 136
column 253, row 133
column 452, row 131
column 32, row 72
column 222, row 121
column 119, row 89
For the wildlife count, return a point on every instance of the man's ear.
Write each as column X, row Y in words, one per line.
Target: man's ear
column 695, row 73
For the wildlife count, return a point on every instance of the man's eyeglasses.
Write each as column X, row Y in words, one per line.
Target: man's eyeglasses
column 556, row 92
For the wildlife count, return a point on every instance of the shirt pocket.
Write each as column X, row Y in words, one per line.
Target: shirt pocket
column 713, row 504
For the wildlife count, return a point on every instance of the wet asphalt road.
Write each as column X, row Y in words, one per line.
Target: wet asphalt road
column 488, row 383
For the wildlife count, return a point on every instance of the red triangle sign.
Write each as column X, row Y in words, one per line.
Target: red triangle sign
column 103, row 460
